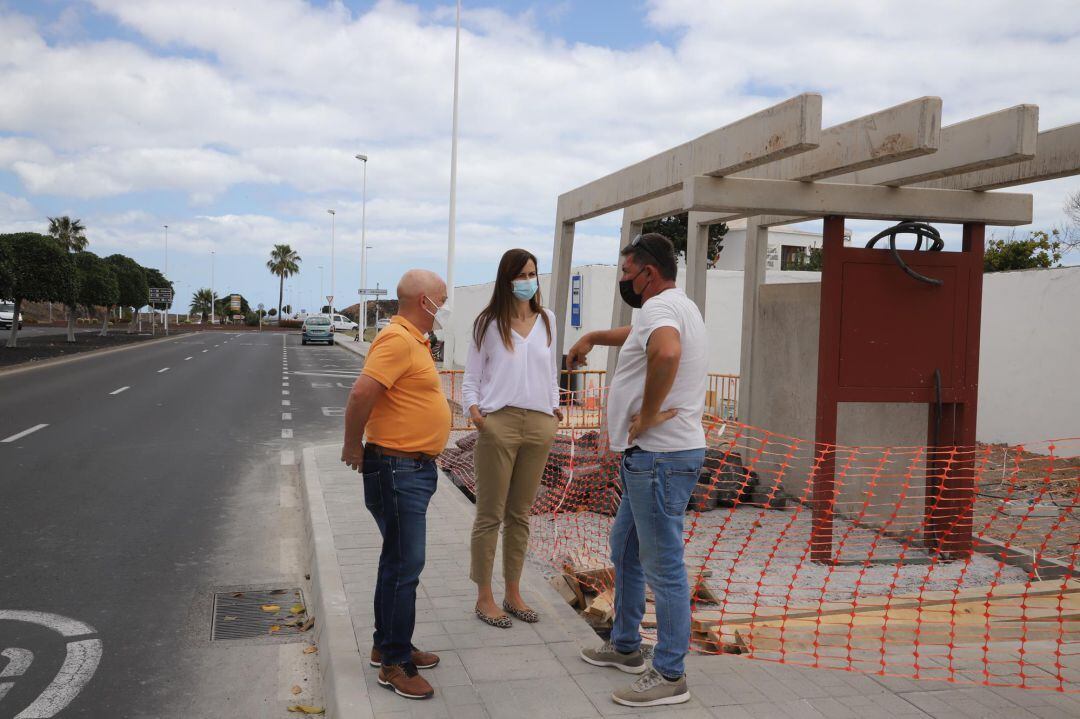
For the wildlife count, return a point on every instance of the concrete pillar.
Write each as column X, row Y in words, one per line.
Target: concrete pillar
column 620, row 311
column 697, row 258
column 757, row 245
column 561, row 260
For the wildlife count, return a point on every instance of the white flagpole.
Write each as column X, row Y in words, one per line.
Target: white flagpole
column 448, row 338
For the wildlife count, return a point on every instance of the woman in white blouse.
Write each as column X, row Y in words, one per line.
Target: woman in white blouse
column 511, row 388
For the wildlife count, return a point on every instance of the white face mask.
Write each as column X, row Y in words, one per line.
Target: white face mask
column 442, row 317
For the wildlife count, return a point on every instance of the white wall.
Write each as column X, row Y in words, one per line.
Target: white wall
column 1029, row 373
column 1029, row 387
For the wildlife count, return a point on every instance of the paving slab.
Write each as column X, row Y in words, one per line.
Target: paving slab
column 534, row 670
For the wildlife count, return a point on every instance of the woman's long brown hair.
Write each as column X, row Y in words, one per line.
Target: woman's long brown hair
column 501, row 307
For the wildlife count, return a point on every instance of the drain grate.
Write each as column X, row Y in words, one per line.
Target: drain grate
column 249, row 614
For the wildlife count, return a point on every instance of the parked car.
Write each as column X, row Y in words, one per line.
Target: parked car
column 341, row 322
column 7, row 315
column 317, row 328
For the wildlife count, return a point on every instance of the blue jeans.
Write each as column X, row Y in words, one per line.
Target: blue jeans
column 647, row 546
column 397, row 492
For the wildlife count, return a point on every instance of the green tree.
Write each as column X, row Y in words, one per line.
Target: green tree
column 71, row 234
column 284, row 262
column 201, row 302
column 810, row 262
column 97, row 285
column 222, row 306
column 674, row 228
column 131, row 282
column 272, row 312
column 1039, row 249
column 35, row 268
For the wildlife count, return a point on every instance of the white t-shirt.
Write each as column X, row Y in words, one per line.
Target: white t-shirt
column 526, row 377
column 670, row 308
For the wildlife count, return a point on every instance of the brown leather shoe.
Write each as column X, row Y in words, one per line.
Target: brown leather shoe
column 422, row 659
column 405, row 681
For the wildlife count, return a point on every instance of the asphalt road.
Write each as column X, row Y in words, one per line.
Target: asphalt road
column 152, row 478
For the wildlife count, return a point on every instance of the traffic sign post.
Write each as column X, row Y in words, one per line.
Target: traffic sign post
column 162, row 296
column 364, row 294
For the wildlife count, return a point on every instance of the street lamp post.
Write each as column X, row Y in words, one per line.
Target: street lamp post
column 330, row 302
column 363, row 253
column 212, row 319
column 448, row 339
column 320, row 283
column 167, row 304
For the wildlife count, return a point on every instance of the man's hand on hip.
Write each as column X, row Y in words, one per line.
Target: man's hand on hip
column 639, row 424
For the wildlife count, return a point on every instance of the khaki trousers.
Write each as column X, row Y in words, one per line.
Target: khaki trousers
column 510, row 457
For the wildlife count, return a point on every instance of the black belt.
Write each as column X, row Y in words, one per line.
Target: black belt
column 386, row 452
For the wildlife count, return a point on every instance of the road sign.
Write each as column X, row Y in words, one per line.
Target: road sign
column 575, row 301
column 330, row 300
column 375, row 292
column 238, row 317
column 161, row 295
column 262, row 306
column 235, row 302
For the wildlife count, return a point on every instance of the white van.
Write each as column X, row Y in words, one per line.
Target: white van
column 7, row 315
column 341, row 322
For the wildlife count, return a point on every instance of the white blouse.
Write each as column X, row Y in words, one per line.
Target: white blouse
column 526, row 377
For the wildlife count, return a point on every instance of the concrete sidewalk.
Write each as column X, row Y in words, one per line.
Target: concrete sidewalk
column 534, row 670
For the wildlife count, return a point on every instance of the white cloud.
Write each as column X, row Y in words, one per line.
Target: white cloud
column 285, row 92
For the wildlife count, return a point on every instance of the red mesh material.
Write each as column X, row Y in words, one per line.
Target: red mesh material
column 888, row 602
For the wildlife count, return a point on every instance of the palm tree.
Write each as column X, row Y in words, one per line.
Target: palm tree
column 71, row 234
column 284, row 262
column 201, row 302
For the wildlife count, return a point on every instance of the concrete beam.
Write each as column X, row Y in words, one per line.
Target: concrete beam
column 908, row 130
column 777, row 132
column 1057, row 154
column 745, row 197
column 1000, row 138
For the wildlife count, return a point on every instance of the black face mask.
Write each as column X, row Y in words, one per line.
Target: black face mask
column 626, row 291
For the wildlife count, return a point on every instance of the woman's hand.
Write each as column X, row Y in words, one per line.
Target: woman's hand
column 477, row 418
column 558, row 414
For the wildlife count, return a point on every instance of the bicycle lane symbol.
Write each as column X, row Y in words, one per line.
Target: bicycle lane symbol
column 80, row 662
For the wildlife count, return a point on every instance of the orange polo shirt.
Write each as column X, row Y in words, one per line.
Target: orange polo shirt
column 413, row 414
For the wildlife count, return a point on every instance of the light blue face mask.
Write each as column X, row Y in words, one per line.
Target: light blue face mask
column 525, row 289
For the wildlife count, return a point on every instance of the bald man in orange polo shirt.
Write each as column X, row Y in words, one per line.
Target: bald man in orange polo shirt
column 398, row 403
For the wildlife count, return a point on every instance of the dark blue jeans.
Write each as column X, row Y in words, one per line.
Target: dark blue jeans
column 647, row 547
column 397, row 492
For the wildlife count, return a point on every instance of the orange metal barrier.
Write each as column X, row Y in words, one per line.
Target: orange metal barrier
column 888, row 603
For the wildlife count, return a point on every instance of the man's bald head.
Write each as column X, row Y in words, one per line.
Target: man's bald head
column 413, row 287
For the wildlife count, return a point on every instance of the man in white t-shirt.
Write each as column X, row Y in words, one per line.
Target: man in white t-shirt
column 655, row 402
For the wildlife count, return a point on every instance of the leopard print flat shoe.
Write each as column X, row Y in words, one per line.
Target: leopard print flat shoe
column 502, row 622
column 526, row 615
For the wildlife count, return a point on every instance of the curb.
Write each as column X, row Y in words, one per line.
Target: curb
column 27, row 366
column 340, row 663
column 357, row 348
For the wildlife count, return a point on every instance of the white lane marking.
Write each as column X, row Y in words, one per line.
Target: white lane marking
column 284, row 384
column 80, row 663
column 122, row 389
column 25, row 432
column 286, row 433
column 285, row 403
column 19, row 661
column 163, row 369
column 333, row 411
column 286, row 416
column 288, row 456
column 284, row 392
column 206, row 350
column 187, row 358
column 79, row 666
column 217, row 345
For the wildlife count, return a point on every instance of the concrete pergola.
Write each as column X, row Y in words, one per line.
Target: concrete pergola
column 779, row 166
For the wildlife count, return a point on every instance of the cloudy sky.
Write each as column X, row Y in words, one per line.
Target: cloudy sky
column 236, row 123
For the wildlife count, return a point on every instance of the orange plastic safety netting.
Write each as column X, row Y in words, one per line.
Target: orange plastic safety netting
column 878, row 578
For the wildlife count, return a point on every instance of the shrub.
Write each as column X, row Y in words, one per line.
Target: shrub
column 290, row 324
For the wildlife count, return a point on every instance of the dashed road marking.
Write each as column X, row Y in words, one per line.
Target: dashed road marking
column 163, row 369
column 333, row 411
column 284, row 392
column 186, row 359
column 285, row 403
column 122, row 389
column 20, row 435
column 206, row 350
column 286, row 416
column 286, row 433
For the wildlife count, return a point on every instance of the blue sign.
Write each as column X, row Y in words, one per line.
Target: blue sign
column 575, row 301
